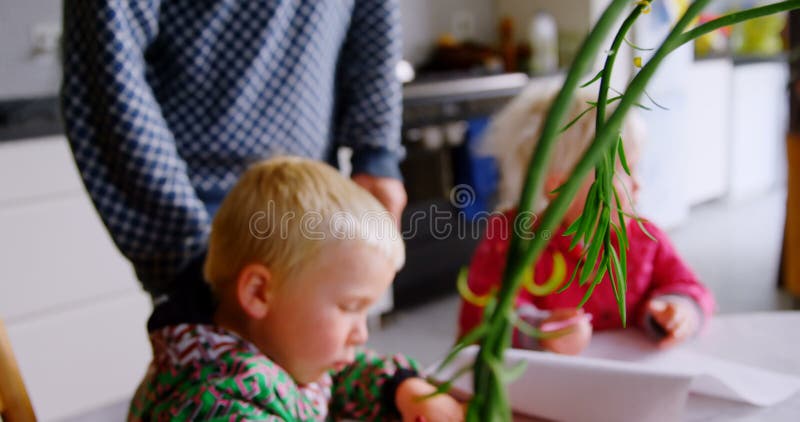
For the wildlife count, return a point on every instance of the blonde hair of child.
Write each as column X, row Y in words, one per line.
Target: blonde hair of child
column 283, row 211
column 514, row 132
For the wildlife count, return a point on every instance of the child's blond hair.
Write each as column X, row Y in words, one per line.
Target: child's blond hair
column 514, row 132
column 283, row 210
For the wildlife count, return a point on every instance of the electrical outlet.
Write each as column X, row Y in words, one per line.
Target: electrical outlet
column 45, row 39
column 463, row 25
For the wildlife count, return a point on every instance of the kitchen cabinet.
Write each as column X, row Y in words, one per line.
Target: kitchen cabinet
column 73, row 308
column 738, row 110
column 759, row 122
column 709, row 132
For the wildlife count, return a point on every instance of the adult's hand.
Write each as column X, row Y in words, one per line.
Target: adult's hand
column 390, row 192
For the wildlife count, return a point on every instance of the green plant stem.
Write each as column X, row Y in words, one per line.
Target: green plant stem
column 488, row 387
column 490, row 402
column 608, row 68
column 603, row 139
column 605, row 170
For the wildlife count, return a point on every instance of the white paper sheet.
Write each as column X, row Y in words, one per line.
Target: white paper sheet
column 711, row 376
column 585, row 389
column 623, row 377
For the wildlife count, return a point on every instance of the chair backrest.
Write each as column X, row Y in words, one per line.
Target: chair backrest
column 15, row 406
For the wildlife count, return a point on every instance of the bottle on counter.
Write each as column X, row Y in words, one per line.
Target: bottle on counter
column 543, row 38
column 508, row 49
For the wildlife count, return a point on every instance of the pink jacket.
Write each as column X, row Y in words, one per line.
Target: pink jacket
column 654, row 269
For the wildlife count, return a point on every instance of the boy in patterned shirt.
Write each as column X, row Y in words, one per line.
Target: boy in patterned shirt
column 297, row 255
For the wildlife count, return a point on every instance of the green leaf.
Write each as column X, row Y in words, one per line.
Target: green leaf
column 471, row 337
column 622, row 159
column 516, row 371
column 636, row 47
column 506, row 376
column 623, row 258
column 529, row 330
column 654, row 101
column 616, row 91
column 594, row 284
column 588, row 216
column 572, row 277
column 594, row 247
column 636, row 217
column 446, row 386
column 622, row 232
column 611, row 276
column 637, row 104
column 622, row 286
column 593, row 80
column 557, row 190
column 608, row 100
column 644, row 230
column 587, row 270
column 575, row 120
column 573, row 228
column 525, row 328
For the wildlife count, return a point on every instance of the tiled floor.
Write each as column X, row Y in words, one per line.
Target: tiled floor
column 733, row 247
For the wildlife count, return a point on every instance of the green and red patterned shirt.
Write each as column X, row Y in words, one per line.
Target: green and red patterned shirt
column 205, row 372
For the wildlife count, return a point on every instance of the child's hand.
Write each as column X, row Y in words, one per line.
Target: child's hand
column 439, row 408
column 676, row 317
column 573, row 342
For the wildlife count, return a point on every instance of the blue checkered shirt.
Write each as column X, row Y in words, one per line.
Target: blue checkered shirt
column 166, row 102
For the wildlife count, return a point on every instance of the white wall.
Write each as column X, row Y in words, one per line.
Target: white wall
column 574, row 18
column 571, row 15
column 425, row 20
column 23, row 74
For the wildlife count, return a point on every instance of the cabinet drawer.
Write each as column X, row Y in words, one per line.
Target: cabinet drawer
column 78, row 360
column 56, row 253
column 34, row 168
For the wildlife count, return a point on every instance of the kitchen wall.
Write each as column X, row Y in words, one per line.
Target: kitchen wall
column 424, row 20
column 573, row 16
column 28, row 48
column 29, row 29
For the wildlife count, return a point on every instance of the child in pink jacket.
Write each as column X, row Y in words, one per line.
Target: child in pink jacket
column 664, row 297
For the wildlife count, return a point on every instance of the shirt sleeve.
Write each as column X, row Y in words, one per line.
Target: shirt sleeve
column 369, row 95
column 358, row 390
column 671, row 275
column 124, row 150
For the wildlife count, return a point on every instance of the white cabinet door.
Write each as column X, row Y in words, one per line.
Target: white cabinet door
column 759, row 124
column 709, row 133
column 54, row 251
column 75, row 313
column 83, row 358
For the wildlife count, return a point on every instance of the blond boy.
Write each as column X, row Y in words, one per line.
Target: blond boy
column 297, row 256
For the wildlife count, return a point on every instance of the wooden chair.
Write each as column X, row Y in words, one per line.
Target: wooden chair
column 15, row 406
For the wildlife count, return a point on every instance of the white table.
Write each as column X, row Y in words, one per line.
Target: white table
column 767, row 340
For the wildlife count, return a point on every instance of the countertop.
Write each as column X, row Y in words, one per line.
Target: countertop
column 29, row 118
